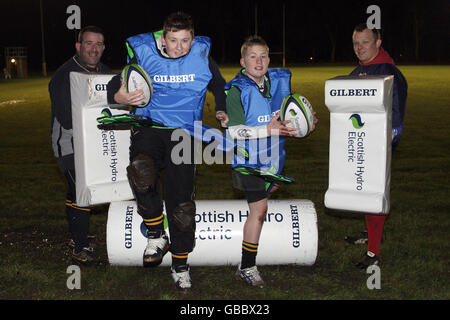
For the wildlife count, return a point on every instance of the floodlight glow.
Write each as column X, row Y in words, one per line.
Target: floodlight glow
column 13, row 60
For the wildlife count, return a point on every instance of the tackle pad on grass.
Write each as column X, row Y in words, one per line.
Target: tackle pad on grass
column 289, row 236
column 360, row 143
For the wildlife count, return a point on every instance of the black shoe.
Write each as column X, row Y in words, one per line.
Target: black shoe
column 92, row 246
column 361, row 238
column 85, row 256
column 368, row 259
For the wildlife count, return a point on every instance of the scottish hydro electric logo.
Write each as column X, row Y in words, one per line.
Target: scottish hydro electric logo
column 356, row 151
column 356, row 121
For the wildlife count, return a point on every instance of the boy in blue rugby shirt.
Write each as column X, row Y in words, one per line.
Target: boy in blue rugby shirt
column 254, row 98
column 171, row 52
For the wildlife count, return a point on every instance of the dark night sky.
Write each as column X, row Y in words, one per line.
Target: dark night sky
column 311, row 27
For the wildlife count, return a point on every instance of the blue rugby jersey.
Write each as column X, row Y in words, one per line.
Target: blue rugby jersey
column 268, row 153
column 179, row 85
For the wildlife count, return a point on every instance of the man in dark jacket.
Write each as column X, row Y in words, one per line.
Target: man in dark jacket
column 89, row 50
column 374, row 60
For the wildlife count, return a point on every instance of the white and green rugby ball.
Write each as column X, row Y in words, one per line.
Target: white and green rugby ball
column 135, row 78
column 299, row 111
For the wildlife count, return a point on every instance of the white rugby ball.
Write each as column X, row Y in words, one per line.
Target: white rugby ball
column 299, row 111
column 135, row 78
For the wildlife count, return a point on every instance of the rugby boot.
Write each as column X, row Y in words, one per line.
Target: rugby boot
column 367, row 260
column 85, row 256
column 92, row 246
column 157, row 247
column 180, row 275
column 250, row 275
column 361, row 238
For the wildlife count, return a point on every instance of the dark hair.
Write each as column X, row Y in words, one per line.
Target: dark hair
column 93, row 29
column 363, row 26
column 178, row 21
column 252, row 41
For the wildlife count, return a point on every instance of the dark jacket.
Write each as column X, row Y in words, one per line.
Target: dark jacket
column 61, row 114
column 384, row 65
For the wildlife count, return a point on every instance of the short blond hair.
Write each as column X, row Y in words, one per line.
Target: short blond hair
column 253, row 41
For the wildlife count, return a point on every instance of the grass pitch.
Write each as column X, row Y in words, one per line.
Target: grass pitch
column 415, row 251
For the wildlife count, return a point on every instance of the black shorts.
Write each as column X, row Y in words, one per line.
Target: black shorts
column 254, row 187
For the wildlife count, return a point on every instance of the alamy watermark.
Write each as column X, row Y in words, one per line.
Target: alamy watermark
column 221, row 149
column 74, row 280
column 74, row 20
column 374, row 20
column 373, row 281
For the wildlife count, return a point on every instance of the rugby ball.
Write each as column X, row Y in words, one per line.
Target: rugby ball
column 135, row 78
column 299, row 111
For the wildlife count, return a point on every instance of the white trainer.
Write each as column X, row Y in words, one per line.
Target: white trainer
column 157, row 247
column 251, row 276
column 180, row 275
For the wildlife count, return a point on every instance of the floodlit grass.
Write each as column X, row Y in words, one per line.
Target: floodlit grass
column 415, row 250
